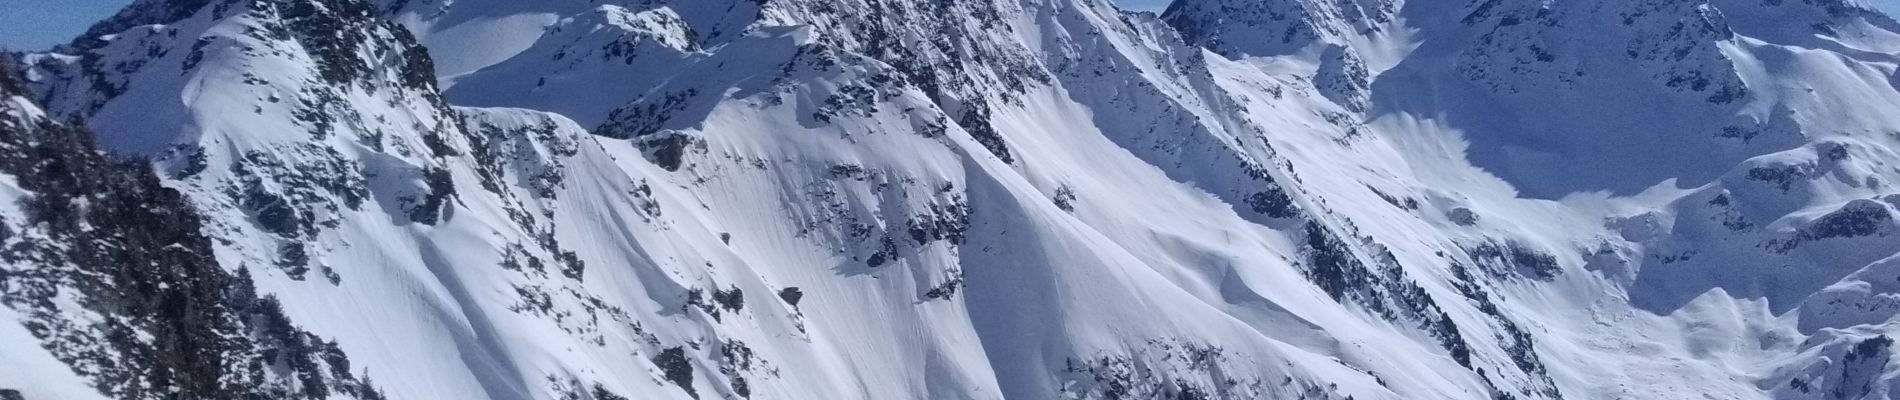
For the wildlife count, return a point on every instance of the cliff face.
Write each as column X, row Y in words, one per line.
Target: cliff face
column 1030, row 199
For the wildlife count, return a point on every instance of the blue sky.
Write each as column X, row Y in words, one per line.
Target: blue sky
column 39, row 24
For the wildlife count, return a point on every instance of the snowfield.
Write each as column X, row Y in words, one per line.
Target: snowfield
column 979, row 199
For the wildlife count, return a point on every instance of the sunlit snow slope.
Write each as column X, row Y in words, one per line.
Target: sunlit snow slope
column 972, row 199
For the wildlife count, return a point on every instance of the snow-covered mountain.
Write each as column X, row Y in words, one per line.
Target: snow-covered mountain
column 973, row 199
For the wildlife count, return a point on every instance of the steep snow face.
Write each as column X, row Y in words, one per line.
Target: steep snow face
column 465, row 36
column 588, row 64
column 1015, row 199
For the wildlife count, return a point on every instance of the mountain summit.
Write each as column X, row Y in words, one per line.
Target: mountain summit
column 973, row 199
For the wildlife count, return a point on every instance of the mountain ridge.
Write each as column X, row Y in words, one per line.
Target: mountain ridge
column 1025, row 199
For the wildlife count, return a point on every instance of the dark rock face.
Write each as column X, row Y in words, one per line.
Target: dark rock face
column 677, row 369
column 172, row 321
column 791, row 295
column 1273, row 202
column 1854, row 377
column 1505, row 259
column 1856, row 219
column 1380, row 284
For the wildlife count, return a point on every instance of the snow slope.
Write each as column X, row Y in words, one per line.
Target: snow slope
column 1367, row 199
